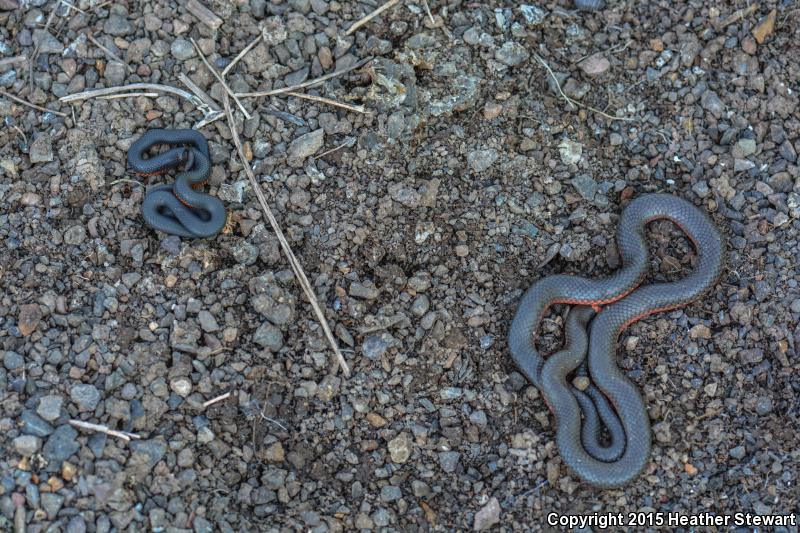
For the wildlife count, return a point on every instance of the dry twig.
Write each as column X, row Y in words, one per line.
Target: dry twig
column 219, row 398
column 205, row 15
column 13, row 60
column 209, row 114
column 124, row 435
column 428, row 11
column 328, row 152
column 287, row 250
column 323, row 100
column 108, row 52
column 307, row 84
column 115, row 96
column 240, row 55
column 573, row 102
column 34, row 106
column 737, row 15
column 371, row 16
column 222, row 81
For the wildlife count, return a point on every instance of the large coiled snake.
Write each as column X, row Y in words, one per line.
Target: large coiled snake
column 612, row 397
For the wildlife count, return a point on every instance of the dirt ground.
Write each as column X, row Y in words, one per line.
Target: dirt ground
column 419, row 223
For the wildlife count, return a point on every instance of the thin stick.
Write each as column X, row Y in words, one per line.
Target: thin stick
column 205, row 15
column 210, row 115
column 241, row 55
column 219, row 398
column 576, row 103
column 428, row 11
column 200, row 93
column 287, row 250
column 322, row 99
column 108, row 52
column 125, row 180
column 73, row 7
column 34, row 106
column 306, row 84
column 371, row 16
column 268, row 419
column 738, row 15
column 124, row 435
column 222, row 81
column 323, row 154
column 114, row 96
column 13, row 60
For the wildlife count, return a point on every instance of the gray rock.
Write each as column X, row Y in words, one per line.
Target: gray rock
column 711, row 103
column 149, row 451
column 273, row 31
column 118, row 25
column 76, row 525
column 13, row 361
column 268, row 336
column 464, row 94
column 511, row 54
column 376, row 345
column 534, row 15
column 85, row 396
column 420, row 488
column 182, row 49
column 585, row 185
column 478, row 418
column 32, row 424
column 390, row 493
column 115, row 73
column 488, row 516
column 245, row 253
column 744, row 148
column 171, row 244
column 41, row 149
column 75, row 235
column 27, row 445
column 421, row 305
column 270, row 306
column 305, row 146
column 359, row 290
column 451, row 393
column 61, row 444
column 400, row 447
column 232, row 192
column 480, row 160
column 449, row 461
column 207, row 321
column 738, row 452
column 49, row 407
column 764, row 405
column 51, row 503
column 46, row 42
column 701, row 189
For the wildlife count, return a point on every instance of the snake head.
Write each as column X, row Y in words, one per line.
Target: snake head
column 187, row 158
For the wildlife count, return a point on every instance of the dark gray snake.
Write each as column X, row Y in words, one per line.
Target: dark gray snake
column 178, row 209
column 612, row 398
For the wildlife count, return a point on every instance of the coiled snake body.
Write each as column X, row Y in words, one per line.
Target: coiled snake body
column 178, row 209
column 612, row 396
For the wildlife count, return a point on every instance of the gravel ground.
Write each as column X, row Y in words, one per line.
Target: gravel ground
column 419, row 225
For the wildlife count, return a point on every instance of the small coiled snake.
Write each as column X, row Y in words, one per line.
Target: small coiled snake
column 614, row 396
column 178, row 209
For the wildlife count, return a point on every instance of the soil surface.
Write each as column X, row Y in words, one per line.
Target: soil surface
column 472, row 174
